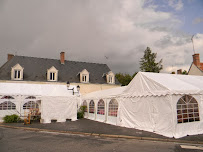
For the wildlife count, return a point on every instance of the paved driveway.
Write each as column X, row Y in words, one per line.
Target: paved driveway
column 17, row 140
column 90, row 126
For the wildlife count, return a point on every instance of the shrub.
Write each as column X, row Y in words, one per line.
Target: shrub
column 11, row 118
column 81, row 112
column 80, row 115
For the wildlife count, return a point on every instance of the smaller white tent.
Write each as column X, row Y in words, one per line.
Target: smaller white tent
column 103, row 104
column 55, row 101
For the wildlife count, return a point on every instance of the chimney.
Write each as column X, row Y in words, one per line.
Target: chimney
column 62, row 55
column 196, row 60
column 10, row 56
column 179, row 71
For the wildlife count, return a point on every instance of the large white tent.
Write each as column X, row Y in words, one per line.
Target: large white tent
column 167, row 104
column 55, row 102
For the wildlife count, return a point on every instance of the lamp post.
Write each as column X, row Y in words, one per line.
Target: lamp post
column 68, row 85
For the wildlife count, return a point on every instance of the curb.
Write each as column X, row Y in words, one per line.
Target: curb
column 105, row 135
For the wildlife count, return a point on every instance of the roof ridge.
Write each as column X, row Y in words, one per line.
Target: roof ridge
column 59, row 59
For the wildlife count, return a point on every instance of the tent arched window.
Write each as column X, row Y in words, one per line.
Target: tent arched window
column 113, row 108
column 101, row 107
column 30, row 105
column 187, row 109
column 7, row 97
column 7, row 105
column 91, row 106
column 31, row 97
column 85, row 104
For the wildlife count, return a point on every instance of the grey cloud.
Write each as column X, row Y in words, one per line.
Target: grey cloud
column 87, row 31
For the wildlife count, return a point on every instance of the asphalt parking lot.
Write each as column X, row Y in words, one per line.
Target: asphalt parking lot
column 18, row 140
column 90, row 126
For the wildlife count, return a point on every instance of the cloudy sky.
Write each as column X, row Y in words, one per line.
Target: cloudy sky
column 115, row 32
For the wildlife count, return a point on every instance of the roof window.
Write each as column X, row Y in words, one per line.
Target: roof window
column 17, row 72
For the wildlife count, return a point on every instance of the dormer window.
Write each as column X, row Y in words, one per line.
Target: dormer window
column 17, row 72
column 84, row 76
column 52, row 74
column 110, row 78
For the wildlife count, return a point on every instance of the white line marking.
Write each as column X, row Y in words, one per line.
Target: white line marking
column 191, row 147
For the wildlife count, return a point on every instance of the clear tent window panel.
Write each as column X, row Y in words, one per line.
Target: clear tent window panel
column 101, row 107
column 7, row 105
column 113, row 108
column 7, row 97
column 30, row 105
column 31, row 97
column 187, row 109
column 85, row 104
column 91, row 106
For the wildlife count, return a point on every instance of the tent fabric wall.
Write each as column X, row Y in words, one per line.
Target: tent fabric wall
column 19, row 101
column 101, row 118
column 3, row 113
column 190, row 128
column 105, row 95
column 59, row 108
column 148, row 113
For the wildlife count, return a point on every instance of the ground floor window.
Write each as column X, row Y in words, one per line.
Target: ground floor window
column 113, row 108
column 187, row 109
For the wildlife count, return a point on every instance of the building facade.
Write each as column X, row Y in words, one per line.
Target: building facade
column 89, row 76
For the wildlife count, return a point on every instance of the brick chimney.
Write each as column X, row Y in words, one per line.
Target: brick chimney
column 196, row 59
column 62, row 57
column 179, row 71
column 10, row 56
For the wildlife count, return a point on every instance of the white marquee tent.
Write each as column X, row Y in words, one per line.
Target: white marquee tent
column 55, row 102
column 167, row 104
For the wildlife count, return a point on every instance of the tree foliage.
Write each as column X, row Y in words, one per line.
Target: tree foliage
column 184, row 72
column 148, row 62
column 124, row 79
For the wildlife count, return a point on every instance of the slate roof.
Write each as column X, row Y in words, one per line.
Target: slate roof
column 35, row 69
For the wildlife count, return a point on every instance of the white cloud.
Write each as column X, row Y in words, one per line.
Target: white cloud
column 176, row 4
column 89, row 30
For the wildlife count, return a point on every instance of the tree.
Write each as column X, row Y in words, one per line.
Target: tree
column 184, row 72
column 148, row 63
column 124, row 79
column 134, row 75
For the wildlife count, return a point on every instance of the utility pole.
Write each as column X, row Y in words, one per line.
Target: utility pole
column 193, row 44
